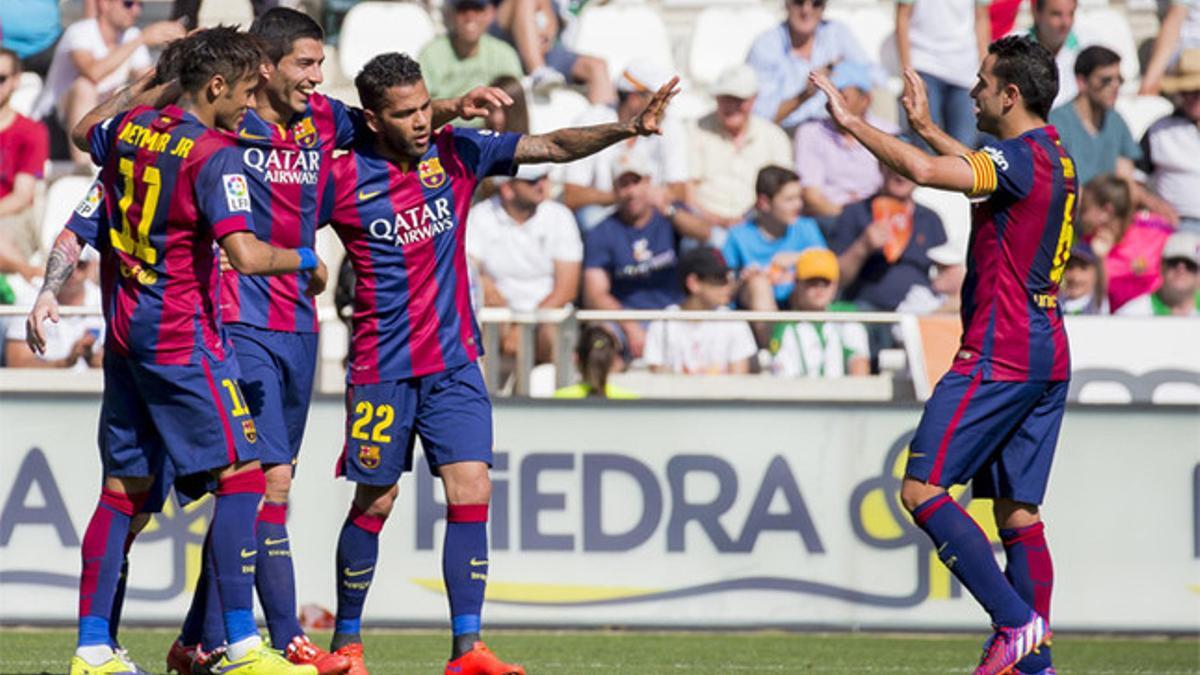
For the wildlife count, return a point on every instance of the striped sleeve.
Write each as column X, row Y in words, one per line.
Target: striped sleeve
column 984, row 171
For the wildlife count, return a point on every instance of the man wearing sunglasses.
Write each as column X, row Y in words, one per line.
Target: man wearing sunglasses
column 1179, row 294
column 783, row 56
column 94, row 58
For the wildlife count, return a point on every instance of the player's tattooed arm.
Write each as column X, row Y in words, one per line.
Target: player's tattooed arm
column 572, row 143
column 475, row 103
column 148, row 89
column 60, row 265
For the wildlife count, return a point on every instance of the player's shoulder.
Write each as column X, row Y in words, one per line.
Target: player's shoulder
column 1006, row 154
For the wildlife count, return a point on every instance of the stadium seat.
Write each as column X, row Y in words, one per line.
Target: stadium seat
column 621, row 34
column 560, row 109
column 1110, row 28
column 1142, row 111
column 872, row 26
column 955, row 211
column 228, row 12
column 28, row 88
column 372, row 28
column 721, row 37
column 62, row 197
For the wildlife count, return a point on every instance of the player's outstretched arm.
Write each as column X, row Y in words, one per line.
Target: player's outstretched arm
column 248, row 255
column 916, row 105
column 572, row 143
column 60, row 265
column 146, row 90
column 475, row 103
column 947, row 173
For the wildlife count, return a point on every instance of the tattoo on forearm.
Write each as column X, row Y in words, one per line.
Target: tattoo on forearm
column 61, row 262
column 569, row 144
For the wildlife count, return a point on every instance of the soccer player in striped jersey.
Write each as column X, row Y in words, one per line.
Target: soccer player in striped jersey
column 400, row 207
column 994, row 418
column 171, row 187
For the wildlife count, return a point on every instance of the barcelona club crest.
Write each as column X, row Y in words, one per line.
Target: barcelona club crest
column 249, row 431
column 368, row 456
column 304, row 133
column 431, row 174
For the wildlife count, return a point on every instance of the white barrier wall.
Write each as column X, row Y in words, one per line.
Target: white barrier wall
column 658, row 514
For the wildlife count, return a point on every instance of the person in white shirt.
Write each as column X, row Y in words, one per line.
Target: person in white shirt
column 527, row 249
column 588, row 182
column 94, row 58
column 1053, row 28
column 813, row 348
column 701, row 347
column 72, row 342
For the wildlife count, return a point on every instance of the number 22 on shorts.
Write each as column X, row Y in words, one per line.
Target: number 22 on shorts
column 365, row 412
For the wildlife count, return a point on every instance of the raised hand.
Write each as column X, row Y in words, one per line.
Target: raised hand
column 482, row 100
column 649, row 120
column 915, row 100
column 835, row 102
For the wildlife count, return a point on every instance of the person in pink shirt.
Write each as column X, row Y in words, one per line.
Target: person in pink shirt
column 23, row 148
column 1129, row 243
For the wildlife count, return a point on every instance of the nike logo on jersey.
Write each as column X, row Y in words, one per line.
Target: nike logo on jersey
column 356, row 573
column 364, row 196
column 254, row 137
column 478, row 563
column 272, row 542
column 249, row 554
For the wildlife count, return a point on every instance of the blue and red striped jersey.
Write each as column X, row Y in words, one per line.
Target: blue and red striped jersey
column 1021, row 237
column 404, row 230
column 288, row 170
column 168, row 187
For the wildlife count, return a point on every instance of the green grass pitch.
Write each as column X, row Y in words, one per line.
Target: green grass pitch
column 402, row 652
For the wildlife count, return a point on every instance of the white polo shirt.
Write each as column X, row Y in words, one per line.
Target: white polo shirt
column 85, row 35
column 667, row 154
column 698, row 347
column 521, row 256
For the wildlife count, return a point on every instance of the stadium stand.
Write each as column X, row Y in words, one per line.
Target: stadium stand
column 61, row 198
column 722, row 36
column 26, row 93
column 622, row 33
column 372, row 28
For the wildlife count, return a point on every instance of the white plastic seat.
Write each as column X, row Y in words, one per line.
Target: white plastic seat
column 62, row 197
column 28, row 88
column 721, row 38
column 1142, row 111
column 227, row 12
column 373, row 28
column 955, row 211
column 622, row 34
column 560, row 109
column 1110, row 28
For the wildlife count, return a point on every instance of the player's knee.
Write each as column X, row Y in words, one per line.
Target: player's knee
column 279, row 482
column 914, row 493
column 468, row 485
column 375, row 500
column 1011, row 515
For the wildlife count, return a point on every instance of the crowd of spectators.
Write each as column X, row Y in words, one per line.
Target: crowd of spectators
column 762, row 204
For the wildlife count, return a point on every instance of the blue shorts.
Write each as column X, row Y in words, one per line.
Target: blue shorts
column 193, row 416
column 450, row 411
column 277, row 379
column 1001, row 434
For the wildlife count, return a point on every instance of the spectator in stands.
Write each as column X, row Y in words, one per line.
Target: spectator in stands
column 944, row 294
column 1082, row 289
column 514, row 118
column 23, row 151
column 1127, row 242
column 834, row 168
column 597, row 355
column 1171, row 145
column 764, row 249
column 466, row 56
column 701, row 347
column 630, row 259
column 588, row 182
column 1179, row 294
column 73, row 341
column 1179, row 30
column 528, row 252
column 31, row 28
column 534, row 27
column 883, row 245
column 783, row 56
column 94, row 58
column 728, row 147
column 816, row 348
column 1053, row 21
column 930, row 39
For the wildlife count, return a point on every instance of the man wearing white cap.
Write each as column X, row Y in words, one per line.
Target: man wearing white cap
column 729, row 146
column 588, row 183
column 527, row 250
column 1179, row 294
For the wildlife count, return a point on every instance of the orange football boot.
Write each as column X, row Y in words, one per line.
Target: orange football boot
column 481, row 661
column 354, row 653
column 301, row 651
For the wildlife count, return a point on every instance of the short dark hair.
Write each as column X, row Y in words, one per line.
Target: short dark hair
column 168, row 65
column 771, row 180
column 383, row 72
column 224, row 51
column 280, row 27
column 1022, row 62
column 1094, row 57
column 5, row 51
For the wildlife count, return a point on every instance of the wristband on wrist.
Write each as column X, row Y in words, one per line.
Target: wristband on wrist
column 308, row 259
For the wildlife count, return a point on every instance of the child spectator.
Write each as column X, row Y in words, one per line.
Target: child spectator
column 1128, row 243
column 701, row 347
column 597, row 355
column 814, row 348
column 763, row 250
column 1082, row 290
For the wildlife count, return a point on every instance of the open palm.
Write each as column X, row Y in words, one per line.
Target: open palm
column 649, row 120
